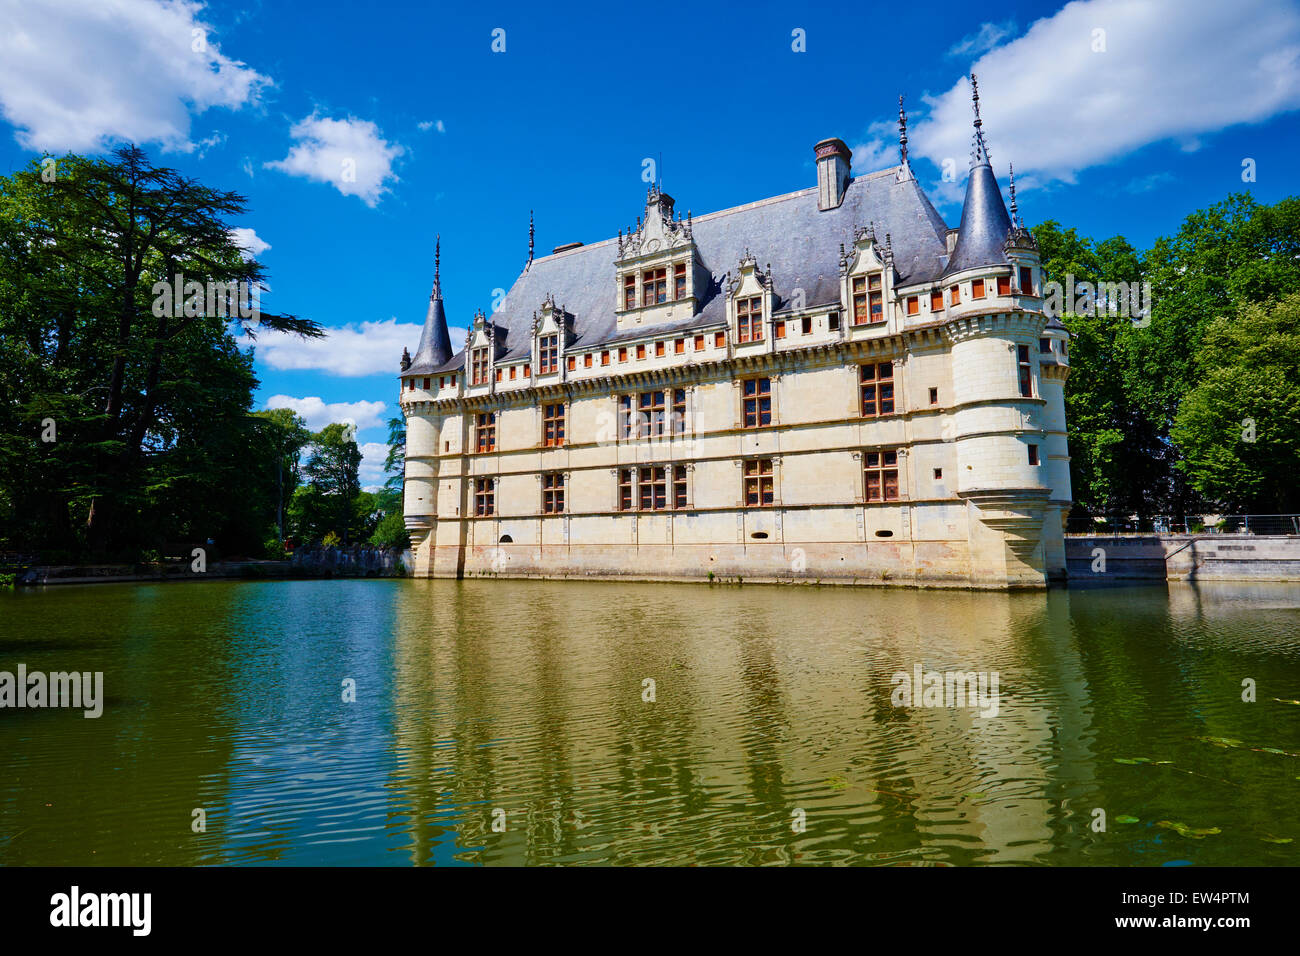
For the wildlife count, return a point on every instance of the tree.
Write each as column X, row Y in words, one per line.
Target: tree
column 333, row 470
column 285, row 435
column 145, row 395
column 1239, row 426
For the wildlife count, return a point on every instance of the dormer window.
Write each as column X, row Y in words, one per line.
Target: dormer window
column 679, row 281
column 749, row 319
column 654, row 286
column 548, row 354
column 867, row 302
column 629, row 292
column 478, row 367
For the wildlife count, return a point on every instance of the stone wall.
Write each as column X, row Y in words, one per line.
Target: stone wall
column 357, row 561
column 1182, row 557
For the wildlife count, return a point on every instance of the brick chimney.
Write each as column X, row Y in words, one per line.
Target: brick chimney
column 833, row 159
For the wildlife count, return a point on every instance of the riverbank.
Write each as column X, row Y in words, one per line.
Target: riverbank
column 1184, row 557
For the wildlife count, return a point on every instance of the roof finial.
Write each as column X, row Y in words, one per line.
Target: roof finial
column 530, row 237
column 437, row 265
column 1015, row 213
column 979, row 151
column 902, row 129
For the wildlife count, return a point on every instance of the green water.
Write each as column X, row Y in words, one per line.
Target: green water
column 527, row 698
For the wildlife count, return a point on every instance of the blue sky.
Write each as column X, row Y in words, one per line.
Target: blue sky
column 1120, row 118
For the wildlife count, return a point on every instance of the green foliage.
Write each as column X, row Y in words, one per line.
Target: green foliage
column 1239, row 426
column 151, row 410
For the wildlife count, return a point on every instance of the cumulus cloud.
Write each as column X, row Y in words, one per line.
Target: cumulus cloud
column 373, row 454
column 1102, row 78
column 351, row 351
column 249, row 241
column 317, row 413
column 351, row 154
column 58, row 93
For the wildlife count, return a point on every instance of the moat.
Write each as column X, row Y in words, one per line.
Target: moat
column 527, row 701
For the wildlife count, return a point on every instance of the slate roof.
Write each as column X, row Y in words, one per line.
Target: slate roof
column 985, row 225
column 801, row 243
column 435, row 342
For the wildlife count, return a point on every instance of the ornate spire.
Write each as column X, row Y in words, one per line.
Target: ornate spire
column 979, row 149
column 902, row 129
column 530, row 239
column 437, row 269
column 1015, row 212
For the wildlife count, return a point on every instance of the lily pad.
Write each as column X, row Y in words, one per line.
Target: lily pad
column 1221, row 741
column 1277, row 839
column 1182, row 829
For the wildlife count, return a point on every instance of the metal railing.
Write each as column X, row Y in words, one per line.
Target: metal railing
column 1185, row 524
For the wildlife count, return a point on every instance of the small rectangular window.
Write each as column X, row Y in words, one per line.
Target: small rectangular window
column 806, row 325
column 652, row 488
column 720, row 340
column 1044, row 345
column 640, row 352
column 936, row 301
column 528, row 369
column 1025, row 370
column 1004, row 285
column 552, row 493
column 749, row 319
column 625, row 489
column 833, row 321
column 699, row 343
column 1033, row 454
column 586, row 360
column 913, row 305
column 1026, row 280
column 938, row 474
column 553, row 425
column 679, row 486
column 604, row 357
column 679, row 281
column 659, row 349
column 485, row 432
column 622, row 354
column 679, row 347
column 977, row 289
column 573, row 362
column 778, row 329
column 513, row 369
column 629, row 292
column 548, row 354
column 954, row 295
column 654, row 286
column 934, row 396
column 499, row 374
column 427, row 383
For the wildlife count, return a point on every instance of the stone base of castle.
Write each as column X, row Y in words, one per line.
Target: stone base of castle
column 1013, row 540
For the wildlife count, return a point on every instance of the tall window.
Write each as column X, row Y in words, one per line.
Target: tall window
column 1026, row 280
column 629, row 292
column 679, row 411
column 650, row 414
column 652, row 488
column 485, row 432
column 756, row 400
column 654, row 286
column 484, row 496
column 749, row 319
column 552, row 492
column 867, row 303
column 679, row 281
column 548, row 354
column 876, row 386
column 880, row 474
column 553, row 425
column 758, row 482
column 478, row 367
column 1026, row 373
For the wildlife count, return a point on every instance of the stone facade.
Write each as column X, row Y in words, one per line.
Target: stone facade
column 867, row 396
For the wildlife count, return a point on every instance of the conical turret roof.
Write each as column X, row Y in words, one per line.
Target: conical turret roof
column 985, row 225
column 435, row 341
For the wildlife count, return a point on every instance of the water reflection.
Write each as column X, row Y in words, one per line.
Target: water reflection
column 525, row 702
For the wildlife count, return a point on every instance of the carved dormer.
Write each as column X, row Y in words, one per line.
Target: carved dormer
column 750, row 300
column 656, row 269
column 867, row 278
column 551, row 332
column 480, row 350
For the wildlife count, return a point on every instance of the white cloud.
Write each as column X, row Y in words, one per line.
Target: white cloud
column 249, row 241
column 247, row 167
column 94, row 72
column 349, row 153
column 318, row 414
column 1171, row 71
column 985, row 38
column 352, row 350
column 373, row 454
column 427, row 125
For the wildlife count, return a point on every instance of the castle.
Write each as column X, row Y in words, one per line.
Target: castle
column 826, row 386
